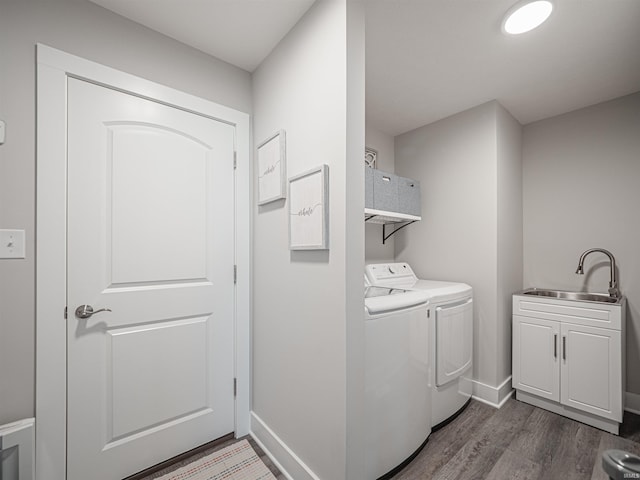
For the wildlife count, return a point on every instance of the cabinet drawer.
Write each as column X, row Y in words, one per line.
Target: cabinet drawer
column 568, row 311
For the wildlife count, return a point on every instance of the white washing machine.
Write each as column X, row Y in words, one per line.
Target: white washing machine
column 397, row 393
column 450, row 334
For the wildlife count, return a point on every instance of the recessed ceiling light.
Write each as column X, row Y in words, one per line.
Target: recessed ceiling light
column 526, row 15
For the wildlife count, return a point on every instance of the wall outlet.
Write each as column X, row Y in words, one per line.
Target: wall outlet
column 11, row 244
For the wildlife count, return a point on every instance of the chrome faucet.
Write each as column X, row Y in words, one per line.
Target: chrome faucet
column 613, row 282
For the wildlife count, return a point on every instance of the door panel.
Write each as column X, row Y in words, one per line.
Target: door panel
column 175, row 197
column 150, row 236
column 535, row 356
column 590, row 373
column 145, row 392
column 454, row 347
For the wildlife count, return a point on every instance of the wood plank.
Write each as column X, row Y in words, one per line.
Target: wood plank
column 517, row 441
column 444, row 444
column 485, row 447
column 475, row 460
column 577, row 451
column 540, row 438
column 514, row 467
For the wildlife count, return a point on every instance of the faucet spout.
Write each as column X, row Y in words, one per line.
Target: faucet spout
column 613, row 282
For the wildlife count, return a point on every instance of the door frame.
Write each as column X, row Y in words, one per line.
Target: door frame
column 54, row 67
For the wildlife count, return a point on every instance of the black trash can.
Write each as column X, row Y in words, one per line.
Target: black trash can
column 621, row 465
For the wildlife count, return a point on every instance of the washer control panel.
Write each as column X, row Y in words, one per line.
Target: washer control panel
column 390, row 274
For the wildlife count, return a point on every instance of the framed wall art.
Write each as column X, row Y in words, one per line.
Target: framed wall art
column 271, row 168
column 370, row 157
column 309, row 210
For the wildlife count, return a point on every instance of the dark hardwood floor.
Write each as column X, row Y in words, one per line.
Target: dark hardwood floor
column 516, row 442
column 520, row 442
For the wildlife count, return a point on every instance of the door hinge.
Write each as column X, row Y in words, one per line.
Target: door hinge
column 235, row 274
column 235, row 160
column 65, row 313
column 235, row 387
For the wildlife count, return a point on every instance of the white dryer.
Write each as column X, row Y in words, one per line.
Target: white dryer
column 450, row 335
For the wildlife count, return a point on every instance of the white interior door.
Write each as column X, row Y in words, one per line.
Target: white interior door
column 150, row 237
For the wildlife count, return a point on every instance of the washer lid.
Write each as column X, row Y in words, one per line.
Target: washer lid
column 385, row 299
column 437, row 288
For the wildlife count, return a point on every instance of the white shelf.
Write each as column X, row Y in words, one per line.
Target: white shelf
column 383, row 217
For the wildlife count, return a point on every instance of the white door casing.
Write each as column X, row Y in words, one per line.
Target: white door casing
column 55, row 72
column 149, row 235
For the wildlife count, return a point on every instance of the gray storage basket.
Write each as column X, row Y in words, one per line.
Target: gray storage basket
column 385, row 191
column 368, row 187
column 409, row 196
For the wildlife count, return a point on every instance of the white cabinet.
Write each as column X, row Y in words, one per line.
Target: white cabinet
column 591, row 370
column 536, row 368
column 568, row 357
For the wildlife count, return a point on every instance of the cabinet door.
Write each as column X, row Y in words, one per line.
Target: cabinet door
column 591, row 370
column 536, row 353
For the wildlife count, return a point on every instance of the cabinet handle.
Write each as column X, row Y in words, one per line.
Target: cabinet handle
column 555, row 345
column 564, row 347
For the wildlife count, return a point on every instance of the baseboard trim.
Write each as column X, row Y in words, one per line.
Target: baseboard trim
column 17, row 439
column 632, row 402
column 494, row 396
column 280, row 454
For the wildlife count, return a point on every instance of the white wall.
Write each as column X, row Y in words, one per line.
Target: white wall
column 84, row 29
column 460, row 162
column 509, row 151
column 305, row 302
column 354, row 238
column 582, row 190
column 375, row 250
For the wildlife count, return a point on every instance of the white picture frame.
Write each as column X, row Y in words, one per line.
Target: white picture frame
column 271, row 168
column 309, row 210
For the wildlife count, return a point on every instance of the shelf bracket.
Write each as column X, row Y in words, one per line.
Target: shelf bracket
column 386, row 237
column 369, row 217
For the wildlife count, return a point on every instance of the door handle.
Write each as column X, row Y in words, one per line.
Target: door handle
column 564, row 347
column 555, row 345
column 85, row 311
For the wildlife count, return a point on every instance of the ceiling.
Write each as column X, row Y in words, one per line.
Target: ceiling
column 240, row 32
column 428, row 59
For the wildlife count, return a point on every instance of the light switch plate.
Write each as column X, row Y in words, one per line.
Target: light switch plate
column 2, row 130
column 11, row 244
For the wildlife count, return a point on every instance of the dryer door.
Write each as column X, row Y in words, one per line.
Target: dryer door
column 454, row 337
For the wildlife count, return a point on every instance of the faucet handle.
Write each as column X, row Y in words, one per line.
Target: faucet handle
column 614, row 292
